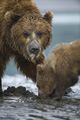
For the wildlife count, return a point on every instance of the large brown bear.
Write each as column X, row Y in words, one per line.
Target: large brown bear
column 60, row 71
column 24, row 34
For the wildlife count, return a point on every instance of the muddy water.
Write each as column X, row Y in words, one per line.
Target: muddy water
column 19, row 103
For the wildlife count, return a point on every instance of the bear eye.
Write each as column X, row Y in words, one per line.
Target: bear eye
column 39, row 34
column 26, row 34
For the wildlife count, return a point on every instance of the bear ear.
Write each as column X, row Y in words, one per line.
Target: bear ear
column 48, row 16
column 11, row 16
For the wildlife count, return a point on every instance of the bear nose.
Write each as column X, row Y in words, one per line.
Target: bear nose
column 34, row 49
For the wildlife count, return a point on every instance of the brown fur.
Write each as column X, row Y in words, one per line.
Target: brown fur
column 59, row 71
column 16, row 18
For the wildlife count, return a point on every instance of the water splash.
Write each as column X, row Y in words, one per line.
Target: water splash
column 19, row 80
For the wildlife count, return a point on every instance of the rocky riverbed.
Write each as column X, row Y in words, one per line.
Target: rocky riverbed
column 17, row 103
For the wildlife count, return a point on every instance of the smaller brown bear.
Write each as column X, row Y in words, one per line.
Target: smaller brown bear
column 59, row 71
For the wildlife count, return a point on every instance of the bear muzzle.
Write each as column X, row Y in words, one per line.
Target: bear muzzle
column 34, row 51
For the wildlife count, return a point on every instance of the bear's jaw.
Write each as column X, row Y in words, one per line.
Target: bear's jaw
column 33, row 57
column 52, row 94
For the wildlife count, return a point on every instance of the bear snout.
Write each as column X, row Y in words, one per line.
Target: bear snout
column 42, row 95
column 34, row 49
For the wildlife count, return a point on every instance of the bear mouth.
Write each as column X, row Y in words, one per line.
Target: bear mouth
column 33, row 57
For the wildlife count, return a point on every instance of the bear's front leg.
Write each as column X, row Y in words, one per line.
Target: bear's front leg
column 61, row 87
column 0, row 86
column 59, row 93
column 4, row 58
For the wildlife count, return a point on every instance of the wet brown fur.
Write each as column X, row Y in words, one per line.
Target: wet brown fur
column 60, row 71
column 15, row 17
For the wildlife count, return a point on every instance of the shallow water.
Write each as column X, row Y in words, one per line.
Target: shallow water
column 32, row 107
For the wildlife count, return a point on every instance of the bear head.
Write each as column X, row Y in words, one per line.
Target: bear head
column 28, row 34
column 45, row 81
